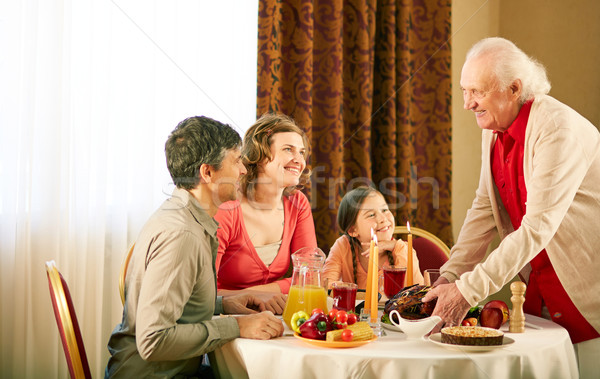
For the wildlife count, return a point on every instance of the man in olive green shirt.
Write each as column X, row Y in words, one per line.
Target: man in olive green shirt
column 170, row 288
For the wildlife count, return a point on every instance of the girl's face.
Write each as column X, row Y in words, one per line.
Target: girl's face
column 373, row 213
column 289, row 161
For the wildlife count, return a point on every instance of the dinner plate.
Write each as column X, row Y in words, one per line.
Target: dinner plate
column 334, row 344
column 437, row 339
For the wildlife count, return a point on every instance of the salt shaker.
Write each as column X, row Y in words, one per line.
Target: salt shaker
column 517, row 317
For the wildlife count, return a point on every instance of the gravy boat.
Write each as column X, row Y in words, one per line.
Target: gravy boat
column 414, row 328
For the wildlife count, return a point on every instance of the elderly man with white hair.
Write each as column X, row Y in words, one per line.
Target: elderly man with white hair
column 539, row 189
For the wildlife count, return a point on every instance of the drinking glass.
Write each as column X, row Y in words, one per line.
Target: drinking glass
column 344, row 295
column 431, row 275
column 393, row 280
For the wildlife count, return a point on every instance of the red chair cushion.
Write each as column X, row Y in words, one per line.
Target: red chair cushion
column 429, row 254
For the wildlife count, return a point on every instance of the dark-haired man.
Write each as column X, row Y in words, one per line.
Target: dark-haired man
column 170, row 288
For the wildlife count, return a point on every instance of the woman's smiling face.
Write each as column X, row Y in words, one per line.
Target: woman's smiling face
column 288, row 160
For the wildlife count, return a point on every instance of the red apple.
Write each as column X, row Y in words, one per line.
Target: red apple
column 471, row 321
column 491, row 318
column 500, row 305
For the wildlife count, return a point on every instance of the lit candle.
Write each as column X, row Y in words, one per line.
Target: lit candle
column 409, row 259
column 375, row 279
column 369, row 290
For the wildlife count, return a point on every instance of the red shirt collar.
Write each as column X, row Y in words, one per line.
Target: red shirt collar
column 517, row 129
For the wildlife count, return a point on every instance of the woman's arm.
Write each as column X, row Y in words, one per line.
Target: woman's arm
column 304, row 232
column 224, row 216
column 270, row 294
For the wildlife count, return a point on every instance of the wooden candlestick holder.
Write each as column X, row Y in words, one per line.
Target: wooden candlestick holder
column 517, row 317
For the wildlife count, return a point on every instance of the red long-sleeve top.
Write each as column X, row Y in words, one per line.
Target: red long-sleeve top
column 238, row 265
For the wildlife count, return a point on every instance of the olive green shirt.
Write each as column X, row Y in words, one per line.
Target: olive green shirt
column 170, row 296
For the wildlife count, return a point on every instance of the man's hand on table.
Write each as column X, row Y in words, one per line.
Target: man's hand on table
column 242, row 304
column 451, row 306
column 268, row 295
column 260, row 326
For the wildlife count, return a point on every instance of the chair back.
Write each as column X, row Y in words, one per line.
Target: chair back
column 123, row 273
column 431, row 251
column 68, row 326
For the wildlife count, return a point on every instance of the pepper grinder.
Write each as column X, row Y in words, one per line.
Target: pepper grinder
column 517, row 317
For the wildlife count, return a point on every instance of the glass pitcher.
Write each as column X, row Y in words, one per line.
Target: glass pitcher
column 306, row 292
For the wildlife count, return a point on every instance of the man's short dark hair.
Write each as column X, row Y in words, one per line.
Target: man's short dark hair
column 196, row 141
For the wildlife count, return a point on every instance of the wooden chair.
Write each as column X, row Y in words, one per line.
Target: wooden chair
column 68, row 326
column 431, row 251
column 123, row 273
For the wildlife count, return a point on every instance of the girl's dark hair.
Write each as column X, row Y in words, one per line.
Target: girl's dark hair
column 257, row 147
column 346, row 219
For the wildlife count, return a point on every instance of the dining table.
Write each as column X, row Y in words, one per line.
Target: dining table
column 543, row 350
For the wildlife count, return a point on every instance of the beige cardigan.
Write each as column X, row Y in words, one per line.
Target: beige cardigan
column 562, row 175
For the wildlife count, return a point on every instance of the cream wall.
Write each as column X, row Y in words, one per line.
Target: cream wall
column 472, row 20
column 562, row 35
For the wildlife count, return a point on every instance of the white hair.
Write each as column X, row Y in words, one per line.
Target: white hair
column 510, row 63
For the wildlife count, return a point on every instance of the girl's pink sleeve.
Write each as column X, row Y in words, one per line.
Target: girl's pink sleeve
column 332, row 271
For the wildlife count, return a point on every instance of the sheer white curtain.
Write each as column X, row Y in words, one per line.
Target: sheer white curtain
column 89, row 91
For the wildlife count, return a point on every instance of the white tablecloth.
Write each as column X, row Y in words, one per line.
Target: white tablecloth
column 546, row 352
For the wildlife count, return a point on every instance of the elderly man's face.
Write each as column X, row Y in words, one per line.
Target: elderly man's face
column 495, row 108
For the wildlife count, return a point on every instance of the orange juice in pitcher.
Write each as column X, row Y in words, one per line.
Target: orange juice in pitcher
column 304, row 299
column 306, row 292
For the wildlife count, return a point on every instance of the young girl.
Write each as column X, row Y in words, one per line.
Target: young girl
column 360, row 210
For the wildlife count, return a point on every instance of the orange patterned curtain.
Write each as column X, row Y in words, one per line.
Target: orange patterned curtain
column 369, row 81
